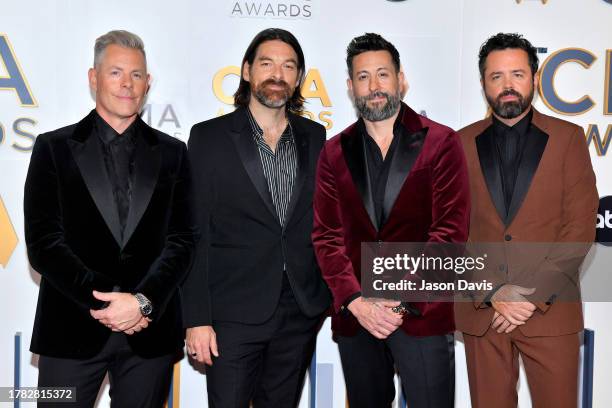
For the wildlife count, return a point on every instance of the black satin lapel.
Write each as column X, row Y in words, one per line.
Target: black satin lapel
column 353, row 150
column 302, row 147
column 247, row 150
column 490, row 170
column 406, row 152
column 530, row 159
column 90, row 160
column 147, row 162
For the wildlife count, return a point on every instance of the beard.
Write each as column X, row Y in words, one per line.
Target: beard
column 511, row 109
column 380, row 111
column 272, row 98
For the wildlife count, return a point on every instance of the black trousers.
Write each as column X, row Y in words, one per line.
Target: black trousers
column 134, row 381
column 426, row 367
column 265, row 363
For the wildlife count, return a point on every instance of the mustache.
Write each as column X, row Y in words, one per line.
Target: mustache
column 509, row 92
column 377, row 94
column 272, row 81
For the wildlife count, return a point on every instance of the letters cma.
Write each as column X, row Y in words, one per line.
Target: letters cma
column 15, row 80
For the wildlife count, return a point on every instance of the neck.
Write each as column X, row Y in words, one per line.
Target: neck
column 513, row 121
column 382, row 129
column 118, row 124
column 267, row 118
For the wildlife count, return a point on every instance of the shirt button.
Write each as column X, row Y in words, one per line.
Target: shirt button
column 508, row 237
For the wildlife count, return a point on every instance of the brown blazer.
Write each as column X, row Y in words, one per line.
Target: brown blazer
column 555, row 200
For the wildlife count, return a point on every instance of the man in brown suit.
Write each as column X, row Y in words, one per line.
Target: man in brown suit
column 532, row 182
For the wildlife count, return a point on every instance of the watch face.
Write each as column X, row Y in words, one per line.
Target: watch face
column 146, row 309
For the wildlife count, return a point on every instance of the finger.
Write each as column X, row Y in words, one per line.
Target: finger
column 106, row 296
column 499, row 320
column 495, row 315
column 129, row 332
column 213, row 345
column 97, row 314
column 512, row 319
column 502, row 327
column 525, row 291
column 389, row 303
column 384, row 327
column 510, row 328
column 390, row 317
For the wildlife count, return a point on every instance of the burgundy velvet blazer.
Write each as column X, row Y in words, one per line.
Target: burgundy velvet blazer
column 427, row 199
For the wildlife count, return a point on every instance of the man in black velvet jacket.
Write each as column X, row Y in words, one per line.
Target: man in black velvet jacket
column 108, row 226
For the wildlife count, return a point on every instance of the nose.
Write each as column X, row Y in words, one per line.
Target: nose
column 507, row 82
column 127, row 81
column 373, row 84
column 277, row 72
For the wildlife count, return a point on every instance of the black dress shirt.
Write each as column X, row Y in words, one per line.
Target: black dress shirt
column 118, row 150
column 378, row 168
column 510, row 143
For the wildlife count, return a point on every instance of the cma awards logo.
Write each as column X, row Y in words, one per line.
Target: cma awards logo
column 313, row 89
column 603, row 233
column 13, row 79
column 272, row 9
column 596, row 135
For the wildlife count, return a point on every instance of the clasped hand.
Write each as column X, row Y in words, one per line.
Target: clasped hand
column 122, row 313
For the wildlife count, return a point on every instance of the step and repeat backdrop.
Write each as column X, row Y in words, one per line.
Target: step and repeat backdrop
column 194, row 49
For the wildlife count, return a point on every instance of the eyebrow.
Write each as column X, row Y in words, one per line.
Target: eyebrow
column 264, row 57
column 513, row 71
column 377, row 70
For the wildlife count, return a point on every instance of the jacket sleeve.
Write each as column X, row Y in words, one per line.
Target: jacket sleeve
column 559, row 272
column 195, row 292
column 328, row 236
column 169, row 269
column 48, row 252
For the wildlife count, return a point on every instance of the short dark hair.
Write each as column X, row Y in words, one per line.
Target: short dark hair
column 370, row 42
column 243, row 93
column 503, row 41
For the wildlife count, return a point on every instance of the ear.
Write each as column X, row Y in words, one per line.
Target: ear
column 536, row 80
column 93, row 81
column 349, row 84
column 148, row 83
column 403, row 84
column 245, row 71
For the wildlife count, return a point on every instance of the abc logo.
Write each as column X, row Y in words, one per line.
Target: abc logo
column 604, row 221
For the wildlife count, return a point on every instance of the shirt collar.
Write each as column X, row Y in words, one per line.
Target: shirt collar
column 397, row 125
column 108, row 135
column 521, row 126
column 287, row 135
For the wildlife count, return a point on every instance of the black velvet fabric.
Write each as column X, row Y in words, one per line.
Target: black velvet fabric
column 73, row 238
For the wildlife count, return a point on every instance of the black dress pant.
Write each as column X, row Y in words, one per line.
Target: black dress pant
column 134, row 381
column 264, row 363
column 426, row 368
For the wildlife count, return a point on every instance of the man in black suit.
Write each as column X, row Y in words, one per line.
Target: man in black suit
column 108, row 226
column 254, row 296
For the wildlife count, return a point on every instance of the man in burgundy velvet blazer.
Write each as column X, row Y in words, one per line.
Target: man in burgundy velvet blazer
column 425, row 198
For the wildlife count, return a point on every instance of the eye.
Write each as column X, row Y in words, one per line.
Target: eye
column 290, row 66
column 383, row 74
column 361, row 77
column 115, row 73
column 137, row 75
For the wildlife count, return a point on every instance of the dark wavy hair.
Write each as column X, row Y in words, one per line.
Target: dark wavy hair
column 370, row 42
column 503, row 41
column 243, row 93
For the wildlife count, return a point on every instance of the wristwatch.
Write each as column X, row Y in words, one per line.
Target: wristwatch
column 145, row 304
